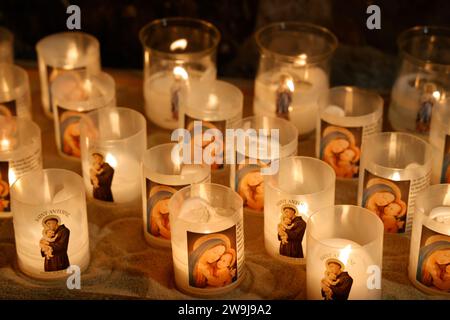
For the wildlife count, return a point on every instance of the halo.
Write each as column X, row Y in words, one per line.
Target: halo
column 290, row 206
column 393, row 186
column 160, row 188
column 437, row 238
column 330, row 129
column 207, row 237
column 337, row 261
column 52, row 216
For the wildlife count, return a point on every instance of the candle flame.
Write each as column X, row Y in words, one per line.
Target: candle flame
column 5, row 144
column 303, row 208
column 72, row 55
column 11, row 177
column 179, row 44
column 111, row 160
column 396, row 176
column 436, row 95
column 87, row 85
column 301, row 61
column 345, row 254
column 180, row 72
column 212, row 100
column 290, row 84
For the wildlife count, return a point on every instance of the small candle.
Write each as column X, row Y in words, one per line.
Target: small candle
column 15, row 98
column 440, row 140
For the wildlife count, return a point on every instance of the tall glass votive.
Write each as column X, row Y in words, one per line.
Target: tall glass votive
column 74, row 94
column 207, row 239
column 394, row 168
column 246, row 175
column 440, row 140
column 64, row 51
column 163, row 174
column 50, row 223
column 423, row 78
column 301, row 186
column 345, row 254
column 20, row 153
column 293, row 71
column 112, row 142
column 6, row 46
column 429, row 257
column 347, row 116
column 177, row 51
column 15, row 98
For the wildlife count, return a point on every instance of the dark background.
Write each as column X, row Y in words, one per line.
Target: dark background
column 365, row 57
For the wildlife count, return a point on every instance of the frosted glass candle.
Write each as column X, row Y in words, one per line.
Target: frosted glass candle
column 50, row 223
column 207, row 239
column 422, row 80
column 20, row 153
column 15, row 98
column 113, row 141
column 301, row 186
column 394, row 168
column 440, row 140
column 6, row 46
column 293, row 71
column 64, row 51
column 345, row 254
column 246, row 176
column 73, row 95
column 429, row 257
column 347, row 116
column 177, row 52
column 163, row 173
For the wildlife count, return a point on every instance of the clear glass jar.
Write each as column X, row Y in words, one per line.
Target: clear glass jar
column 15, row 97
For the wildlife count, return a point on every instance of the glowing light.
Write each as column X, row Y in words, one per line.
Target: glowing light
column 303, row 208
column 11, row 177
column 212, row 100
column 301, row 61
column 72, row 55
column 5, row 144
column 290, row 84
column 345, row 254
column 179, row 44
column 87, row 85
column 396, row 176
column 180, row 72
column 111, row 160
column 436, row 95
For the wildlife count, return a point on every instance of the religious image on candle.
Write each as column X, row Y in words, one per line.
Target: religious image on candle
column 291, row 230
column 336, row 283
column 428, row 98
column 158, row 196
column 433, row 267
column 101, row 175
column 388, row 199
column 341, row 148
column 5, row 201
column 445, row 173
column 212, row 258
column 54, row 244
column 8, row 109
column 69, row 124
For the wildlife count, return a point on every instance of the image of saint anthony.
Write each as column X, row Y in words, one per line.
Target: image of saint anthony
column 54, row 243
column 158, row 211
column 177, row 93
column 336, row 283
column 101, row 175
column 283, row 99
column 212, row 262
column 291, row 230
column 427, row 101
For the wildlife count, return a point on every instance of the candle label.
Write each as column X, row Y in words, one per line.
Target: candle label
column 426, row 102
column 101, row 175
column 69, row 131
column 283, row 96
column 340, row 147
column 445, row 173
column 336, row 283
column 157, row 211
column 388, row 199
column 206, row 125
column 214, row 258
column 8, row 108
column 5, row 198
column 433, row 266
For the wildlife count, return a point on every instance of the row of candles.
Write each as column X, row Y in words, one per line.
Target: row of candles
column 342, row 243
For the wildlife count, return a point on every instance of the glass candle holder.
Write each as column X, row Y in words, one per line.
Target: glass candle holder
column 301, row 186
column 207, row 239
column 347, row 116
column 74, row 94
column 112, row 142
column 6, row 46
column 50, row 223
column 15, row 98
column 440, row 140
column 345, row 254
column 20, row 153
column 64, row 51
column 423, row 78
column 163, row 174
column 246, row 176
column 429, row 257
column 394, row 168
column 177, row 51
column 293, row 71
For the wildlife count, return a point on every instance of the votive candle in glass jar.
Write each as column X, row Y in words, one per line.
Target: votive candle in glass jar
column 50, row 223
column 64, row 51
column 112, row 142
column 423, row 78
column 177, row 52
column 301, row 186
column 347, row 116
column 75, row 93
column 20, row 153
column 440, row 140
column 246, row 175
column 207, row 239
column 429, row 256
column 345, row 254
column 293, row 71
column 163, row 174
column 15, row 98
column 6, row 46
column 394, row 168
